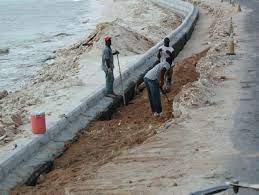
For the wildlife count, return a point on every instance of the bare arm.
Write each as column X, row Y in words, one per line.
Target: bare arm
column 162, row 77
column 116, row 52
column 159, row 54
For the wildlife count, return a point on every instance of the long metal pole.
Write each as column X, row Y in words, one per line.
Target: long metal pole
column 122, row 88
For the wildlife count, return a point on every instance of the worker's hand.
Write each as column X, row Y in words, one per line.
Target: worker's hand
column 163, row 91
column 116, row 52
column 166, row 88
column 109, row 70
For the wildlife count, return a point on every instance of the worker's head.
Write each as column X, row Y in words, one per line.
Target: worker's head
column 108, row 40
column 166, row 42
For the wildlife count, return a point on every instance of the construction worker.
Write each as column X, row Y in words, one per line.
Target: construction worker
column 108, row 66
column 154, row 81
column 167, row 52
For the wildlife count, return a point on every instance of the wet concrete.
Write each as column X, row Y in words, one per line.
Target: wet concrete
column 245, row 134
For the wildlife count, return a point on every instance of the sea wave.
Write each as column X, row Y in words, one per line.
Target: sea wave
column 62, row 34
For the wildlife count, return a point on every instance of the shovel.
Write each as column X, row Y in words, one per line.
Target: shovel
column 169, row 101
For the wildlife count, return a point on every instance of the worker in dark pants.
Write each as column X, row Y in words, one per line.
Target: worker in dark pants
column 108, row 66
column 154, row 81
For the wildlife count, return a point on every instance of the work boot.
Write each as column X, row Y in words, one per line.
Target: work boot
column 157, row 114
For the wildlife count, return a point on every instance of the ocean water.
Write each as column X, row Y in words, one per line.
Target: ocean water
column 33, row 29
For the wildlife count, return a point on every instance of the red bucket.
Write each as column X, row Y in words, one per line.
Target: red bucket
column 38, row 122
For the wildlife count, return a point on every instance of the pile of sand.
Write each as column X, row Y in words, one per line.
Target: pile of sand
column 124, row 39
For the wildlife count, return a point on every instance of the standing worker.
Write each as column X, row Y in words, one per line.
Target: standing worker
column 154, row 80
column 108, row 66
column 166, row 53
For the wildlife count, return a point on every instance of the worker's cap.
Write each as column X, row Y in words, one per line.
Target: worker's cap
column 107, row 38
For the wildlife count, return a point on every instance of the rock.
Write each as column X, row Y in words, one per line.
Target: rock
column 8, row 139
column 17, row 119
column 41, row 179
column 167, row 126
column 177, row 114
column 223, row 77
column 4, row 51
column 2, row 130
column 3, row 137
column 3, row 94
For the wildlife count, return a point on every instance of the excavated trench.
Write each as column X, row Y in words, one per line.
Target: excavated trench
column 116, row 130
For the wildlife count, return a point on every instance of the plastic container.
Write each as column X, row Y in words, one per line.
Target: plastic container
column 38, row 122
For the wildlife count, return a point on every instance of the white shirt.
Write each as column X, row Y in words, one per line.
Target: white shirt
column 164, row 55
column 155, row 72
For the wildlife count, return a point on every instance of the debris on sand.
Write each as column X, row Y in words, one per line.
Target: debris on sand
column 124, row 39
column 16, row 118
column 2, row 131
column 3, row 94
column 183, row 76
column 4, row 51
column 199, row 93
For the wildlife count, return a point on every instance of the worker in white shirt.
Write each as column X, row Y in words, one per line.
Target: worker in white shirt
column 154, row 80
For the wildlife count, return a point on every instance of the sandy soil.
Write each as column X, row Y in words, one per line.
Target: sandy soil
column 105, row 140
column 65, row 77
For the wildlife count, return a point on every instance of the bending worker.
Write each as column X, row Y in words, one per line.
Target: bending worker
column 108, row 66
column 154, row 80
column 164, row 53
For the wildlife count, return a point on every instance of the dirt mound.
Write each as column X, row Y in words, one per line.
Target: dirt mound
column 127, row 41
column 185, row 72
column 124, row 39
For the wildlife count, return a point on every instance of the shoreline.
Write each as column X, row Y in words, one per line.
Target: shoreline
column 59, row 82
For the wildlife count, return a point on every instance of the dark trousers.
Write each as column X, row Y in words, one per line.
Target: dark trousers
column 153, row 95
column 109, row 82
